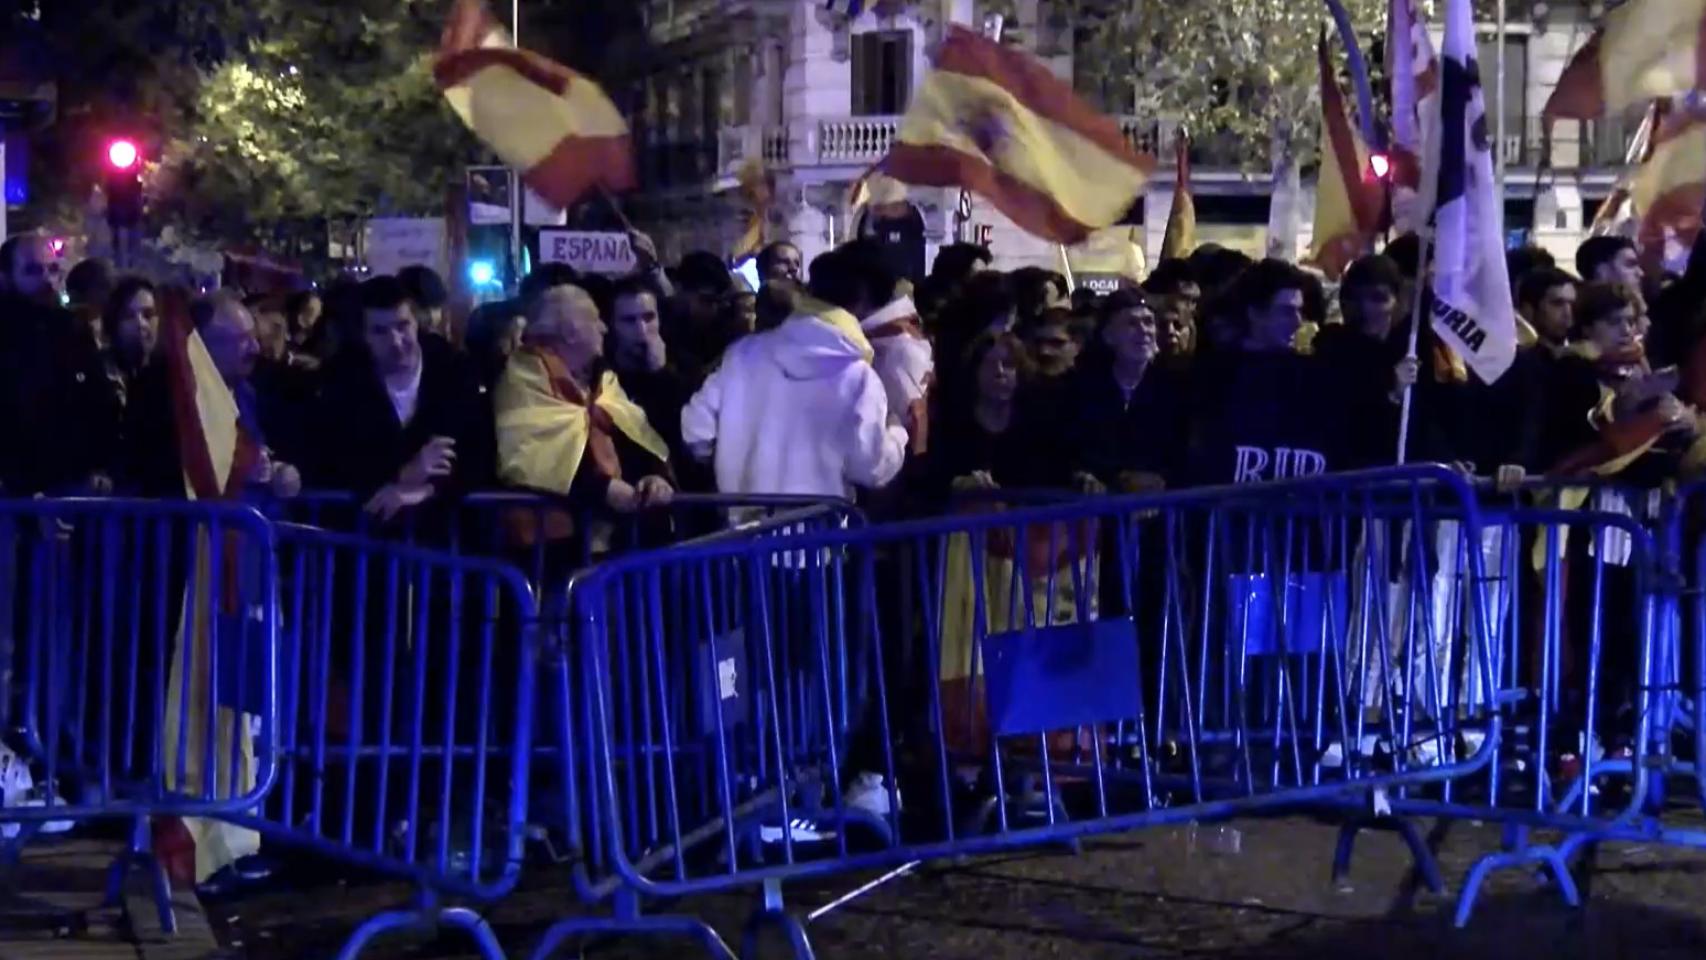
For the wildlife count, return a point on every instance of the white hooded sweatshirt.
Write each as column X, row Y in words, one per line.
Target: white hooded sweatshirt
column 795, row 410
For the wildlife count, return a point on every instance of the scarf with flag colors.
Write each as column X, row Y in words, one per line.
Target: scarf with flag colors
column 1181, row 236
column 998, row 122
column 218, row 454
column 545, row 120
column 1413, row 69
column 1348, row 201
column 1471, row 310
column 1646, row 49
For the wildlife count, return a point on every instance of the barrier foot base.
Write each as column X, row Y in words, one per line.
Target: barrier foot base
column 752, row 940
column 141, row 856
column 485, row 941
column 691, row 928
column 1421, row 855
column 1549, row 857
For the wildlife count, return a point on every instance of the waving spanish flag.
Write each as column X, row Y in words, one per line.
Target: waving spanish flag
column 1348, row 202
column 554, row 125
column 1669, row 189
column 995, row 121
column 1647, row 49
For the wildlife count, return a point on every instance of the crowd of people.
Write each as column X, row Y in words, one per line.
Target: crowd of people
column 838, row 376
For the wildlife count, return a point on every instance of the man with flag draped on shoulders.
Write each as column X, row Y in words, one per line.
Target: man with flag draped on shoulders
column 565, row 425
column 196, row 435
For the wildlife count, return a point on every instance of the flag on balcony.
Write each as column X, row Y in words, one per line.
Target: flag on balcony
column 1181, row 236
column 1670, row 188
column 1412, row 68
column 554, row 125
column 996, row 121
column 1472, row 311
column 1646, row 49
column 1349, row 200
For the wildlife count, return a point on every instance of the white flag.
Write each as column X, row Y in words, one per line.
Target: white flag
column 1472, row 311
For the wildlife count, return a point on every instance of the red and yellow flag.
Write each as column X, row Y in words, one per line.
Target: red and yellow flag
column 1647, row 49
column 1670, row 187
column 554, row 125
column 753, row 184
column 1181, row 236
column 996, row 121
column 1348, row 202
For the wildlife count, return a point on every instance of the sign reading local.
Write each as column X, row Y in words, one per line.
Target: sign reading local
column 588, row 251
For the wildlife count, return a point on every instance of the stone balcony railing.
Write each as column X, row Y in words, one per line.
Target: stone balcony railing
column 855, row 139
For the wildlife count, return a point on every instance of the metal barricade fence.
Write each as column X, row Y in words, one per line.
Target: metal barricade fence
column 141, row 649
column 1091, row 667
column 405, row 721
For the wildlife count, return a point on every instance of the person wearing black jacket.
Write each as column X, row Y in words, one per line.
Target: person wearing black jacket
column 637, row 352
column 1366, row 364
column 402, row 417
column 58, row 417
column 1128, row 428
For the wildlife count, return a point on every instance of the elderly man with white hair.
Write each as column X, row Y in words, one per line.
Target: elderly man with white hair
column 564, row 423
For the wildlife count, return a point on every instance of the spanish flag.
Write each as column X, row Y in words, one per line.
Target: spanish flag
column 554, row 125
column 1647, row 49
column 1181, row 236
column 995, row 121
column 217, row 455
column 753, row 184
column 1670, row 187
column 1348, row 202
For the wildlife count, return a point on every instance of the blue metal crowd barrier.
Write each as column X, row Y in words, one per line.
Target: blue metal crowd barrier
column 140, row 643
column 1092, row 666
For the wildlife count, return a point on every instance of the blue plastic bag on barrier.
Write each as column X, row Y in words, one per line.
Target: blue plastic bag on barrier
column 723, row 682
column 1059, row 677
column 1307, row 597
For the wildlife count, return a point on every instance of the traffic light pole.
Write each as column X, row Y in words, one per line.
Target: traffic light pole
column 517, row 261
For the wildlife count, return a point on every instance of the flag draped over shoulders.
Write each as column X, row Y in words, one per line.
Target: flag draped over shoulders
column 996, row 121
column 546, row 424
column 554, row 125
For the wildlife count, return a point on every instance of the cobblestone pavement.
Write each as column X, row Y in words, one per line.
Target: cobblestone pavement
column 1148, row 894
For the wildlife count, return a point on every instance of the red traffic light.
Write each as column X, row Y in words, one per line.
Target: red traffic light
column 122, row 154
column 1381, row 165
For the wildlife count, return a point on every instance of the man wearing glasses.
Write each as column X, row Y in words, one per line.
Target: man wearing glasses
column 58, row 420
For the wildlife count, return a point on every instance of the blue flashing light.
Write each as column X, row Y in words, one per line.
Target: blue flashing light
column 482, row 273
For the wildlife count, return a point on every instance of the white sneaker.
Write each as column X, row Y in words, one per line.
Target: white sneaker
column 869, row 793
column 800, row 830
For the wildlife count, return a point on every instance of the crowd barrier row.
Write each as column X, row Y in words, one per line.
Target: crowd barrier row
column 742, row 694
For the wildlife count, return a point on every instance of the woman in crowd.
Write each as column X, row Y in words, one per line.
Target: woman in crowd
column 131, row 327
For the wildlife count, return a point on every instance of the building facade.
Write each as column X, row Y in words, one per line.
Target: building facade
column 817, row 97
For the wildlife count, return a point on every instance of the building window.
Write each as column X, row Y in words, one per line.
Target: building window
column 882, row 72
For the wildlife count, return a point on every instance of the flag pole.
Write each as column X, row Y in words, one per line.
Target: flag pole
column 1426, row 235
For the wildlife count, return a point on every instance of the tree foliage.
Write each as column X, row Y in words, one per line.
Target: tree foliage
column 1240, row 75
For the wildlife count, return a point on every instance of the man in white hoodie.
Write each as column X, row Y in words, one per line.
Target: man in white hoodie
column 799, row 409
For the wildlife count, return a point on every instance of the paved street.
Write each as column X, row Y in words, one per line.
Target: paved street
column 1141, row 895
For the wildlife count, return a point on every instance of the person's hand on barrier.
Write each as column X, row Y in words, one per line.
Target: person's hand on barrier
column 100, row 485
column 1404, row 377
column 286, row 481
column 394, row 498
column 261, row 472
column 654, row 491
column 621, row 497
column 974, row 481
column 1142, row 481
column 1509, row 477
column 1087, row 483
column 436, row 459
